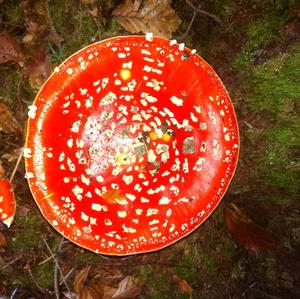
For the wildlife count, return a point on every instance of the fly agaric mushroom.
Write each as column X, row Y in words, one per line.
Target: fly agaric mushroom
column 7, row 202
column 131, row 144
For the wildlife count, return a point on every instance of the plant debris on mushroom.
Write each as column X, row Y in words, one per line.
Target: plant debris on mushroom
column 131, row 144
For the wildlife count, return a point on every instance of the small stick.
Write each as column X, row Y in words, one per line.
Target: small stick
column 11, row 262
column 35, row 282
column 67, row 275
column 56, row 285
column 190, row 25
column 46, row 260
column 13, row 293
column 57, row 264
column 56, row 38
column 214, row 17
column 16, row 165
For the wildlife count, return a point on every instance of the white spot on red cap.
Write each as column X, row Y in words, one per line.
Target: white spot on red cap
column 149, row 36
column 164, row 200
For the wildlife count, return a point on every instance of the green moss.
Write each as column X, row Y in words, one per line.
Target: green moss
column 17, row 92
column 87, row 257
column 28, row 233
column 259, row 34
column 43, row 274
column 191, row 260
column 113, row 29
column 228, row 248
column 208, row 263
column 157, row 283
column 276, row 89
column 12, row 15
column 145, row 272
column 276, row 83
column 74, row 24
column 279, row 158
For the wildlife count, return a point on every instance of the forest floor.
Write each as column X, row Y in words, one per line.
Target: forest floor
column 255, row 49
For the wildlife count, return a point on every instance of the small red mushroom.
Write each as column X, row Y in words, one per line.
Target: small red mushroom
column 7, row 202
column 131, row 144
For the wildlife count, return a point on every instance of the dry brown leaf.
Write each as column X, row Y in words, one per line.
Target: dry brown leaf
column 129, row 287
column 156, row 16
column 94, row 12
column 8, row 123
column 38, row 22
column 183, row 285
column 108, row 291
column 80, row 279
column 105, row 283
column 38, row 66
column 2, row 240
column 9, row 48
column 248, row 234
column 86, row 287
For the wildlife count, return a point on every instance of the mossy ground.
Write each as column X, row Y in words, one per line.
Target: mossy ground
column 254, row 55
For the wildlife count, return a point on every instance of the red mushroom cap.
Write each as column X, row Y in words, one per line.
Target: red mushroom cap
column 7, row 202
column 131, row 144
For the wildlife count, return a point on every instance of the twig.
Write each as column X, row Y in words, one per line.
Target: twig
column 67, row 275
column 57, row 268
column 190, row 25
column 35, row 282
column 248, row 125
column 9, row 263
column 57, row 39
column 16, row 166
column 56, row 286
column 47, row 259
column 295, row 165
column 13, row 293
column 201, row 11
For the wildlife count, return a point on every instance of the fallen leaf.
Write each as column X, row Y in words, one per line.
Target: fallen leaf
column 183, row 285
column 129, row 287
column 38, row 66
column 248, row 234
column 108, row 291
column 80, row 279
column 2, row 240
column 8, row 123
column 86, row 287
column 94, row 12
column 105, row 283
column 156, row 16
column 9, row 48
column 38, row 22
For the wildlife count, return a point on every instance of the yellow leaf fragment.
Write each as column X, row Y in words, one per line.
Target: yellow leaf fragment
column 183, row 285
